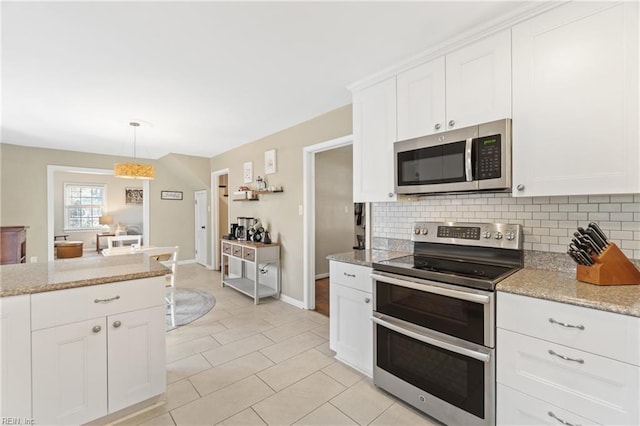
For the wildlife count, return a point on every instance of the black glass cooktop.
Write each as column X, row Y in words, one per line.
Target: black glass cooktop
column 462, row 272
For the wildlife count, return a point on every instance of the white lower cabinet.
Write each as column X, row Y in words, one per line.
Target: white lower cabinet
column 546, row 358
column 96, row 350
column 351, row 305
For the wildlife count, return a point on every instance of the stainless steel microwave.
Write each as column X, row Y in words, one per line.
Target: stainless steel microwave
column 475, row 158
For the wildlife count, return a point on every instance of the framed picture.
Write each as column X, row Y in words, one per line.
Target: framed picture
column 247, row 172
column 171, row 195
column 133, row 195
column 270, row 165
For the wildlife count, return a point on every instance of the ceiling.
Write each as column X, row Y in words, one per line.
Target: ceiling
column 201, row 77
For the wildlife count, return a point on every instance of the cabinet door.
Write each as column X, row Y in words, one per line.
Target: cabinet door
column 575, row 101
column 421, row 100
column 15, row 364
column 479, row 82
column 136, row 356
column 374, row 132
column 70, row 373
column 351, row 330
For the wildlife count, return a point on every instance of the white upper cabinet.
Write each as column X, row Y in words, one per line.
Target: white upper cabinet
column 421, row 100
column 575, row 101
column 469, row 86
column 479, row 82
column 374, row 131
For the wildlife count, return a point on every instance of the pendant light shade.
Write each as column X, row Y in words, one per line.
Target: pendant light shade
column 134, row 170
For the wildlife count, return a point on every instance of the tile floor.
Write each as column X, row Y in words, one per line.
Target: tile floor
column 243, row 364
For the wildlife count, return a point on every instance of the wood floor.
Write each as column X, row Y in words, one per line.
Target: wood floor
column 322, row 296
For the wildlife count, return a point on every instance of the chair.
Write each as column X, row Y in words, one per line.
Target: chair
column 168, row 256
column 121, row 239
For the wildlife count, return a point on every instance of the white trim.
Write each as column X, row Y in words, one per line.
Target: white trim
column 196, row 210
column 51, row 169
column 477, row 33
column 292, row 301
column 215, row 235
column 309, row 214
column 321, row 276
column 187, row 262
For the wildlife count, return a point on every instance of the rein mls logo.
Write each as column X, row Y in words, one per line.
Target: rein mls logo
column 16, row 421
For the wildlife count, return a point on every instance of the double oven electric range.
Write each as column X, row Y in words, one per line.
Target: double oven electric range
column 434, row 318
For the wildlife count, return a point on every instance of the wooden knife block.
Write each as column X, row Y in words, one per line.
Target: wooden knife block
column 611, row 267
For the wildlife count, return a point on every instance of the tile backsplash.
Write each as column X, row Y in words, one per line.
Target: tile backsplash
column 548, row 222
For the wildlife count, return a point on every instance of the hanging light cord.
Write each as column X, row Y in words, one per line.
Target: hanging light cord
column 135, row 127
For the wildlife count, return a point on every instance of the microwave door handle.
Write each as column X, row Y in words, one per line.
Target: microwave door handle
column 388, row 322
column 468, row 170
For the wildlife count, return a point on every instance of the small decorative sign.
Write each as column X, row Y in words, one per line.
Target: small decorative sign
column 133, row 195
column 270, row 165
column 248, row 172
column 171, row 195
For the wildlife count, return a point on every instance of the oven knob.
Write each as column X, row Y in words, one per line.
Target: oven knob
column 498, row 235
column 425, row 231
column 487, row 234
column 509, row 235
column 416, row 231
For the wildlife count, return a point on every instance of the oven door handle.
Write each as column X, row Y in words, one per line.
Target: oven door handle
column 389, row 323
column 468, row 170
column 461, row 295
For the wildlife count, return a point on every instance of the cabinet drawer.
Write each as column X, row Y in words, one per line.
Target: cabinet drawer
column 236, row 250
column 515, row 408
column 599, row 332
column 350, row 275
column 226, row 248
column 249, row 254
column 95, row 301
column 598, row 388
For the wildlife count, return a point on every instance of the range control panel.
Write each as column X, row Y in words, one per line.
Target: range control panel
column 477, row 234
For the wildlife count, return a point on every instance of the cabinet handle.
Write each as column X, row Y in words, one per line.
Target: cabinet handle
column 367, row 300
column 579, row 326
column 564, row 422
column 391, row 194
column 117, row 324
column 111, row 299
column 452, row 123
column 349, row 275
column 566, row 358
column 520, row 187
column 96, row 329
column 437, row 126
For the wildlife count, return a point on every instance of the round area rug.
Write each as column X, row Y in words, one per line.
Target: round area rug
column 190, row 304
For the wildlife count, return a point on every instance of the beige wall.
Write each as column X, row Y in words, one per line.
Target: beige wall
column 334, row 205
column 223, row 205
column 23, row 189
column 127, row 214
column 279, row 211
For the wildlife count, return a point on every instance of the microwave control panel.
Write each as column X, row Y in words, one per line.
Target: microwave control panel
column 488, row 157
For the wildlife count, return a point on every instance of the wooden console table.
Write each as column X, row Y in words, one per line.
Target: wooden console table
column 13, row 244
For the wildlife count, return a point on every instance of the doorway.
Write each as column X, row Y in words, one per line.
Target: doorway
column 201, row 226
column 219, row 213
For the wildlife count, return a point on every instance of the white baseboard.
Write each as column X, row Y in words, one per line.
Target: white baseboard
column 321, row 276
column 290, row 300
column 186, row 261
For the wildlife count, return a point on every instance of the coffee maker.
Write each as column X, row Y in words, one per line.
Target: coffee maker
column 243, row 226
column 232, row 233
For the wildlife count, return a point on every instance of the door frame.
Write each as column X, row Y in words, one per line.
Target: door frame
column 197, row 214
column 215, row 215
column 51, row 169
column 309, row 214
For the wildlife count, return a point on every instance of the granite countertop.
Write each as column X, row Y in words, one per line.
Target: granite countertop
column 29, row 278
column 365, row 257
column 563, row 287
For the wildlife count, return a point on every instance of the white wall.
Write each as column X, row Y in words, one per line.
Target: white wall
column 548, row 222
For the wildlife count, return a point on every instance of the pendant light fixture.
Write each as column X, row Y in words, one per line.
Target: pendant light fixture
column 134, row 170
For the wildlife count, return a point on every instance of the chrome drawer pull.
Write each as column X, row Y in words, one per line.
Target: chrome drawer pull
column 579, row 326
column 96, row 329
column 564, row 422
column 349, row 275
column 566, row 358
column 111, row 299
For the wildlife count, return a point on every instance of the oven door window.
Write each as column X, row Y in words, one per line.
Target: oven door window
column 448, row 315
column 454, row 378
column 432, row 165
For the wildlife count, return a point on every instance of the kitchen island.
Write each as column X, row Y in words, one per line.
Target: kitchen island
column 81, row 339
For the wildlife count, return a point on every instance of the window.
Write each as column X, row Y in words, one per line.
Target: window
column 83, row 205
